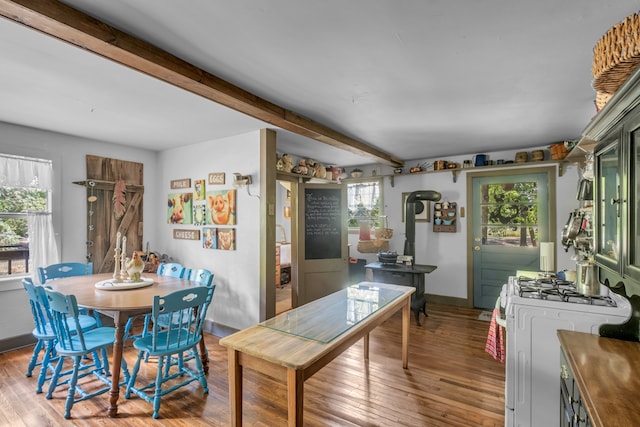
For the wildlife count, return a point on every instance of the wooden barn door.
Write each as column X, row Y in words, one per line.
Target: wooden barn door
column 114, row 204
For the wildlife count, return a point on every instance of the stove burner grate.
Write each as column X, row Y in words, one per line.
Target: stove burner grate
column 559, row 290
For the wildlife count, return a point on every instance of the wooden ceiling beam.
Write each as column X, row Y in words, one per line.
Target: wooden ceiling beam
column 79, row 29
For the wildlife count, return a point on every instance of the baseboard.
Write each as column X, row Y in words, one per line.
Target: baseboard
column 441, row 299
column 218, row 329
column 16, row 342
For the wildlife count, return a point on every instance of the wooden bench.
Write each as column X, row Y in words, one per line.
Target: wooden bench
column 15, row 253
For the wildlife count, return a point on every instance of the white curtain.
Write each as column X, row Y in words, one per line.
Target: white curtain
column 43, row 249
column 25, row 172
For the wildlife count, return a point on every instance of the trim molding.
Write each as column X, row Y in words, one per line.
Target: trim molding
column 16, row 342
column 454, row 301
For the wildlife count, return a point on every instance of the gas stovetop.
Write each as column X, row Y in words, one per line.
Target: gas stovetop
column 553, row 289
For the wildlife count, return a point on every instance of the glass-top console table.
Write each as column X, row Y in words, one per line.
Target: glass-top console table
column 295, row 345
column 340, row 311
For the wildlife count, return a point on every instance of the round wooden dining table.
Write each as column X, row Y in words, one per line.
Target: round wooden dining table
column 121, row 305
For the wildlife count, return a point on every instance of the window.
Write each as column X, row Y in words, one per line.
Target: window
column 24, row 189
column 364, row 200
column 510, row 214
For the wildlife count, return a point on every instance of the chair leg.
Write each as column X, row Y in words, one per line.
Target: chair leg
column 124, row 370
column 157, row 393
column 129, row 325
column 127, row 328
column 200, row 369
column 53, row 383
column 134, row 374
column 96, row 315
column 105, row 361
column 145, row 329
column 167, row 366
column 181, row 362
column 72, row 387
column 34, row 358
column 44, row 366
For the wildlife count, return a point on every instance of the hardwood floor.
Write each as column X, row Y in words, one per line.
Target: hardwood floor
column 451, row 381
column 283, row 298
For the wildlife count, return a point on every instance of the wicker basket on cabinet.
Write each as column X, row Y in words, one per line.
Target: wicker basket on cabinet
column 615, row 57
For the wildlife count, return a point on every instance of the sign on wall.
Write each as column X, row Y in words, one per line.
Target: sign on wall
column 178, row 184
column 186, row 234
column 216, row 178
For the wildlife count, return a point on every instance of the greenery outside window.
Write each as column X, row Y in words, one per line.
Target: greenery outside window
column 510, row 214
column 365, row 201
column 21, row 192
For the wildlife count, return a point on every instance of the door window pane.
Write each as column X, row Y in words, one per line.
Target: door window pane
column 510, row 214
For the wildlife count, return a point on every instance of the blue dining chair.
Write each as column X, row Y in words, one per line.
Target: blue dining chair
column 205, row 278
column 201, row 275
column 44, row 332
column 67, row 269
column 190, row 306
column 171, row 269
column 72, row 342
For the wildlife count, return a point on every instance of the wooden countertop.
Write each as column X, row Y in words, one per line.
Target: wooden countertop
column 607, row 372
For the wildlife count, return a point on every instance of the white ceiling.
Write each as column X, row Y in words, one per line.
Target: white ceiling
column 417, row 79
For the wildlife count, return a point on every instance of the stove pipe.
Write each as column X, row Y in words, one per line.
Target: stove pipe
column 410, row 218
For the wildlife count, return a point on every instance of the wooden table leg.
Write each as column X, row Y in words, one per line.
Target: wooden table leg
column 204, row 355
column 235, row 388
column 118, row 345
column 406, row 319
column 295, row 397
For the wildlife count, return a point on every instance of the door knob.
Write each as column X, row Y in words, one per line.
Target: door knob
column 476, row 248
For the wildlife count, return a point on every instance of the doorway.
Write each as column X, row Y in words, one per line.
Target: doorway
column 285, row 199
column 511, row 212
column 318, row 233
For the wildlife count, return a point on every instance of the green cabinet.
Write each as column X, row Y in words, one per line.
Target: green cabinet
column 614, row 137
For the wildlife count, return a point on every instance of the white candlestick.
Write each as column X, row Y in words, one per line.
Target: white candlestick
column 546, row 256
column 124, row 245
column 118, row 240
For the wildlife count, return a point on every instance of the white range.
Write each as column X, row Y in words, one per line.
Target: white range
column 534, row 311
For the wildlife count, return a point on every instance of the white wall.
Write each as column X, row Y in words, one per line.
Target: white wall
column 70, row 202
column 236, row 273
column 236, row 301
column 449, row 250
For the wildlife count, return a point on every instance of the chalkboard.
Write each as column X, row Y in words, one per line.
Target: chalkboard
column 323, row 223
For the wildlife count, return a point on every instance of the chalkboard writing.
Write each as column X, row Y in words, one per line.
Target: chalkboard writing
column 323, row 223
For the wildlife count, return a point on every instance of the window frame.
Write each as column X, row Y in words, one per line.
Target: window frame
column 23, row 215
column 379, row 180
